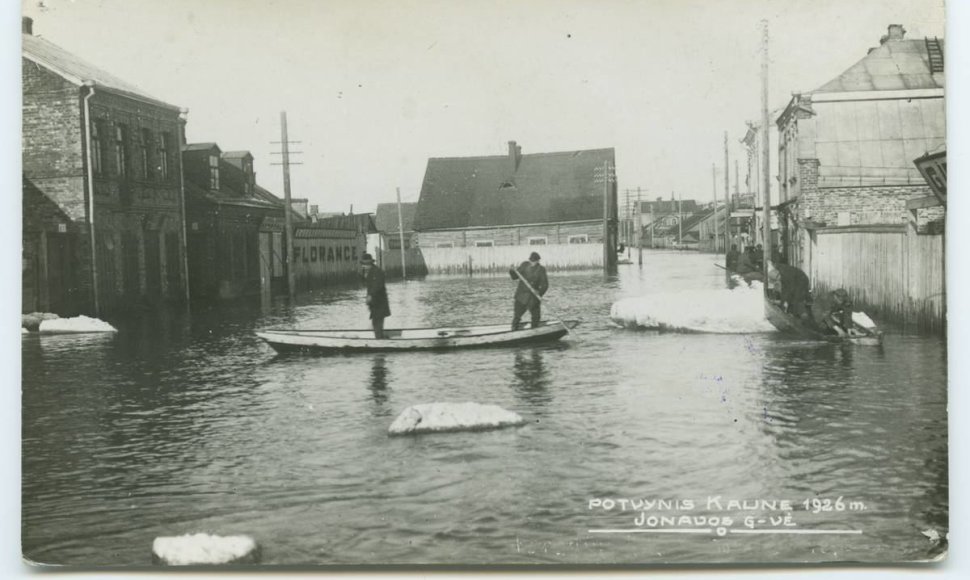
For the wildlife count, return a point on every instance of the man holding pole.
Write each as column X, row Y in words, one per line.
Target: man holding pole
column 533, row 283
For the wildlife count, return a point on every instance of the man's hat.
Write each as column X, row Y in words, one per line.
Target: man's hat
column 367, row 259
column 534, row 257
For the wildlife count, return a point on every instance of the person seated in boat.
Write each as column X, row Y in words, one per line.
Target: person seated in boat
column 533, row 284
column 373, row 278
column 790, row 285
column 731, row 260
column 832, row 312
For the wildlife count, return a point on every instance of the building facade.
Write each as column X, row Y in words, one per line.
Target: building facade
column 103, row 206
column 851, row 213
column 235, row 227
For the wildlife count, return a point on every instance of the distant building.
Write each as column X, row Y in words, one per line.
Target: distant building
column 659, row 219
column 103, row 207
column 329, row 250
column 515, row 199
column 235, row 227
column 387, row 222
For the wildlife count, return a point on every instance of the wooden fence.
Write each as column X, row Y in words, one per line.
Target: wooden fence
column 890, row 270
column 472, row 260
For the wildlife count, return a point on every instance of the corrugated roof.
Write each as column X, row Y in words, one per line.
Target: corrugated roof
column 894, row 65
column 386, row 217
column 463, row 192
column 79, row 71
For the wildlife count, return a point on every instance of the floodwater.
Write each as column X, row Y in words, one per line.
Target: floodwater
column 178, row 425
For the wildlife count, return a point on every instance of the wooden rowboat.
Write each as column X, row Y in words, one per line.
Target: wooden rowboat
column 789, row 324
column 337, row 341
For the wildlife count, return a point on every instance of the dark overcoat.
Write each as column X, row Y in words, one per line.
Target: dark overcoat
column 535, row 274
column 376, row 293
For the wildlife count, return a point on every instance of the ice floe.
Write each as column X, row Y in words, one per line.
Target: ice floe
column 77, row 324
column 722, row 311
column 435, row 417
column 204, row 549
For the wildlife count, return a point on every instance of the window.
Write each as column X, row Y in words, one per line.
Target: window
column 147, row 168
column 213, row 172
column 579, row 239
column 163, row 141
column 445, row 245
column 484, row 243
column 537, row 241
column 248, row 170
column 97, row 147
column 121, row 149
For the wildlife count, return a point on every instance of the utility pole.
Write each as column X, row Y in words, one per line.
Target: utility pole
column 765, row 160
column 680, row 221
column 400, row 231
column 639, row 231
column 287, row 205
column 626, row 220
column 609, row 247
column 727, row 197
column 288, row 211
column 714, row 181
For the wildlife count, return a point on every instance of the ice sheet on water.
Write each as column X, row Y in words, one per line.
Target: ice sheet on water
column 722, row 311
column 201, row 549
column 432, row 417
column 77, row 324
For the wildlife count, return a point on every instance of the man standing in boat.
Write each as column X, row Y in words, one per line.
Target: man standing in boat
column 533, row 284
column 373, row 278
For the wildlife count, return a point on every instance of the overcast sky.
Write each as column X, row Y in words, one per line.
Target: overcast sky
column 374, row 88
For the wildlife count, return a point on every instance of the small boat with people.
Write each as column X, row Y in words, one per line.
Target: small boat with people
column 411, row 339
column 855, row 328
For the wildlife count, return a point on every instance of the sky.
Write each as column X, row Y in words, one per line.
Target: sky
column 372, row 89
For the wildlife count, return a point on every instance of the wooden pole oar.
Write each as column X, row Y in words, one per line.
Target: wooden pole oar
column 539, row 298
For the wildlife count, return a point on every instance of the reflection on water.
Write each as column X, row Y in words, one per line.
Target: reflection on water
column 189, row 423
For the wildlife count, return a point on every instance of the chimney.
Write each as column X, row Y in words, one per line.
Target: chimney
column 314, row 210
column 896, row 32
column 515, row 156
column 27, row 25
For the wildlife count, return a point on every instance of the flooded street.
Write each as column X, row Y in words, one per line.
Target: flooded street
column 179, row 424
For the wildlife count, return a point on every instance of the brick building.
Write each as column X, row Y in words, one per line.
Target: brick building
column 235, row 227
column 103, row 208
column 855, row 212
column 846, row 149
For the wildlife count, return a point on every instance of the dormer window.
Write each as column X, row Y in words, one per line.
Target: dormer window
column 213, row 172
column 248, row 170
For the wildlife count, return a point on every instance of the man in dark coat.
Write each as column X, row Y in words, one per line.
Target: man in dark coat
column 373, row 278
column 731, row 260
column 833, row 312
column 794, row 289
column 535, row 274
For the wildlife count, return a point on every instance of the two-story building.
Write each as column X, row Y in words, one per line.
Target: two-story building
column 103, row 209
column 848, row 182
column 234, row 226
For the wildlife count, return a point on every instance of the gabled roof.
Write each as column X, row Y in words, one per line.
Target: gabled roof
column 386, row 217
column 200, row 147
column 363, row 222
column 80, row 72
column 236, row 154
column 896, row 64
column 461, row 192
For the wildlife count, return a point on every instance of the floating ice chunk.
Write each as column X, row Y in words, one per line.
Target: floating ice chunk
column 204, row 549
column 737, row 311
column 32, row 321
column 77, row 324
column 932, row 535
column 863, row 320
column 452, row 417
column 24, row 330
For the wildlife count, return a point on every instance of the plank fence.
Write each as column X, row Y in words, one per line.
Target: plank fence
column 890, row 270
column 475, row 260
